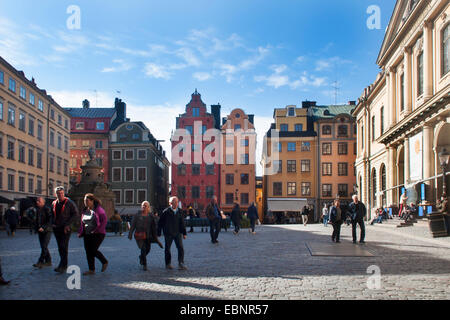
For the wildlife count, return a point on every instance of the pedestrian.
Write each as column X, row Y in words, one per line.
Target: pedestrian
column 93, row 231
column 336, row 220
column 43, row 222
column 214, row 217
column 410, row 211
column 12, row 220
column 305, row 213
column 171, row 223
column 325, row 215
column 252, row 214
column 403, row 204
column 143, row 226
column 378, row 218
column 236, row 217
column 116, row 221
column 358, row 213
column 30, row 216
column 191, row 216
column 65, row 213
column 3, row 282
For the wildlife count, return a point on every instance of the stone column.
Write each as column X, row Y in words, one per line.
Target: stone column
column 389, row 106
column 428, row 154
column 407, row 79
column 392, row 97
column 406, row 159
column 427, row 60
column 391, row 175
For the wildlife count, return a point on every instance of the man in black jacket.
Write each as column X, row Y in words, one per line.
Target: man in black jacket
column 65, row 212
column 12, row 219
column 171, row 223
column 43, row 226
column 336, row 218
column 213, row 213
column 358, row 212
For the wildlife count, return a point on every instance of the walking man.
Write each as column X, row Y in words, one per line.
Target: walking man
column 358, row 212
column 305, row 213
column 171, row 223
column 213, row 214
column 325, row 215
column 12, row 220
column 252, row 214
column 65, row 212
column 336, row 220
column 43, row 226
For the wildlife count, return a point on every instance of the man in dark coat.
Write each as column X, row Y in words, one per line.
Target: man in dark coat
column 214, row 217
column 236, row 218
column 358, row 212
column 172, row 224
column 65, row 213
column 336, row 218
column 12, row 219
column 43, row 226
column 3, row 282
column 252, row 214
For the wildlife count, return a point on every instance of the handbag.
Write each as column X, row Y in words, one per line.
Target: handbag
column 140, row 235
column 89, row 222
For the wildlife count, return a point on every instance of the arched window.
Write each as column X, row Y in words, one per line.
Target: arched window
column 383, row 185
column 374, row 188
column 446, row 50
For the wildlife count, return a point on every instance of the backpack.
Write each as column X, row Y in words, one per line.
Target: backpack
column 89, row 221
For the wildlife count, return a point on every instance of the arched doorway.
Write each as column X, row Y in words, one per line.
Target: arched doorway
column 400, row 173
column 442, row 141
column 373, row 186
column 383, row 184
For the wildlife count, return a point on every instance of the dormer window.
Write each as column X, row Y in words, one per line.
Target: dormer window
column 79, row 126
column 291, row 112
column 196, row 112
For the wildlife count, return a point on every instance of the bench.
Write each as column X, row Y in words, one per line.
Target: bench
column 204, row 223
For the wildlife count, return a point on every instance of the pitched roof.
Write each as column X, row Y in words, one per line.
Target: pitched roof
column 91, row 112
column 331, row 111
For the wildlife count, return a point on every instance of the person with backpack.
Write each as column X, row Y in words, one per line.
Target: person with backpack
column 93, row 231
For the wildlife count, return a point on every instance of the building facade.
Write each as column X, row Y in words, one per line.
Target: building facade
column 238, row 171
column 196, row 155
column 403, row 118
column 34, row 138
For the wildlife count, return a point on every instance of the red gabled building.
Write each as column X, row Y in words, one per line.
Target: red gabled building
column 194, row 181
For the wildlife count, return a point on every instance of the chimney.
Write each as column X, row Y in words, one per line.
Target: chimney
column 251, row 118
column 121, row 109
column 215, row 110
column 307, row 104
column 352, row 103
column 85, row 104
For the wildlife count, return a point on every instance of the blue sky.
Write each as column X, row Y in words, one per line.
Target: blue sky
column 256, row 55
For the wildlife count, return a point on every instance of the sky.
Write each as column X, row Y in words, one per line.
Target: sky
column 254, row 55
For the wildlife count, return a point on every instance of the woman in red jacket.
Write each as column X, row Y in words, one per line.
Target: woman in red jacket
column 93, row 229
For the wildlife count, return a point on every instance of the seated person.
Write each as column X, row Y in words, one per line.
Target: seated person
column 410, row 211
column 378, row 217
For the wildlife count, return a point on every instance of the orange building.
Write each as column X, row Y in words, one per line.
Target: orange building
column 237, row 174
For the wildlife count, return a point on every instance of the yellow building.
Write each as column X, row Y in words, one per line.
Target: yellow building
column 34, row 138
column 403, row 118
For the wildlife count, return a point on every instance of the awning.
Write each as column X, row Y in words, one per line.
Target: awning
column 6, row 200
column 128, row 210
column 286, row 204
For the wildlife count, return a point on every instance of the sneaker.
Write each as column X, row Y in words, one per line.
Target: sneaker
column 169, row 267
column 181, row 266
column 362, row 241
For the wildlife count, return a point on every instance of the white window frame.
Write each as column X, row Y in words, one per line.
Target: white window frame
column 125, row 196
column 120, row 154
column 137, row 174
column 120, row 197
column 121, row 173
column 125, row 155
column 125, row 174
column 137, row 195
column 78, row 127
column 138, row 154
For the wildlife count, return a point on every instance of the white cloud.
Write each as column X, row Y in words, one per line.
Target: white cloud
column 13, row 45
column 121, row 65
column 330, row 63
column 202, row 76
column 188, row 55
column 156, row 71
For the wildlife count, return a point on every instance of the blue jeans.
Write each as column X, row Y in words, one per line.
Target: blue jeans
column 325, row 220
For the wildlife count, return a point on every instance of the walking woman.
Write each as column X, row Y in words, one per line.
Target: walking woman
column 144, row 228
column 93, row 229
column 236, row 217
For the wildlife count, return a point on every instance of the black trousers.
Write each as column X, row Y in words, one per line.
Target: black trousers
column 91, row 244
column 214, row 229
column 237, row 226
column 252, row 224
column 62, row 239
column 44, row 239
column 336, row 231
column 1, row 274
column 179, row 244
column 145, row 246
column 362, row 227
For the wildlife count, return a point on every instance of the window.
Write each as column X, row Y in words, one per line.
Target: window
column 244, row 178
column 204, row 128
column 326, row 148
column 39, row 131
column 100, row 126
column 59, row 120
column 12, row 84
column 420, row 74
column 362, row 137
column 142, row 154
column 229, row 198
column 22, row 121
column 291, row 166
column 40, row 105
column 30, row 185
column 129, row 174
column 21, row 153
column 283, row 127
column 1, row 180
column 39, row 186
column 135, row 136
column 141, row 195
column 129, row 154
column 195, row 192
column 11, row 179
column 326, row 129
column 59, row 141
column 245, row 158
column 299, row 127
column 306, row 188
column 306, row 165
column 189, row 129
column 181, row 169
column 129, row 196
column 117, row 155
column 118, row 194
column 326, row 190
column 373, row 128
column 1, row 145
column 402, row 92
column 244, row 198
column 11, row 150
column 342, row 169
column 196, row 112
column 342, row 131
column 326, row 168
column 278, row 166
column 79, row 126
column 31, row 157
column 280, row 146
column 342, row 148
column 237, row 127
column 52, row 138
column 306, row 146
column 382, row 120
column 21, row 184
column 209, row 192
column 277, row 189
column 291, row 146
column 245, row 142
column 342, row 190
column 209, row 169
column 291, row 112
column 51, row 163
column 23, row 93
column 446, row 50
column 355, row 151
column 2, row 77
column 52, row 113
column 181, row 192
column 291, row 188
column 142, row 174
column 1, row 110
column 39, row 159
column 31, row 126
column 117, row 174
column 195, row 169
column 99, row 144
column 66, row 123
column 66, row 144
column 11, row 116
column 58, row 165
column 85, row 143
column 229, row 178
column 66, row 168
column 229, row 159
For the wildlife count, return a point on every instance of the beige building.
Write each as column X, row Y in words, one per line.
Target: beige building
column 34, row 138
column 403, row 118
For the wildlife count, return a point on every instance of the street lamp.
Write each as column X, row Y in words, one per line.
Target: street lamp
column 444, row 156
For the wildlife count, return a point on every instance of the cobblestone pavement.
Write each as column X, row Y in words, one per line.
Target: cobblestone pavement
column 273, row 264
